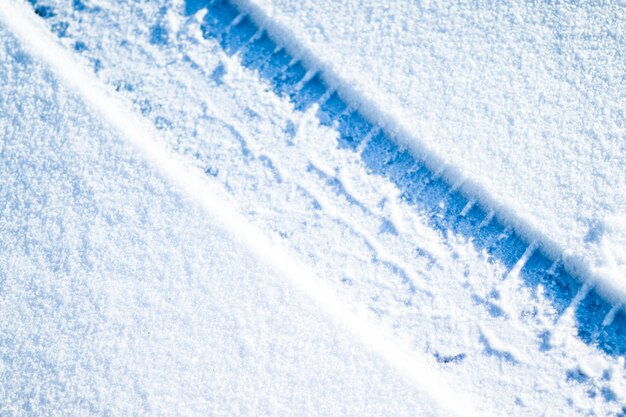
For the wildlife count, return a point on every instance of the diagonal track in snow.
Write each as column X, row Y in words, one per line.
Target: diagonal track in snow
column 447, row 207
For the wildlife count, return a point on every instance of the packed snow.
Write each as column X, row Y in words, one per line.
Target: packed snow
column 524, row 102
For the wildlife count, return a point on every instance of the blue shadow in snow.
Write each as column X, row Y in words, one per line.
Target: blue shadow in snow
column 447, row 209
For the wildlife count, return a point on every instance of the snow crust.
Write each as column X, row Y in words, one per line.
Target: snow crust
column 121, row 296
column 522, row 102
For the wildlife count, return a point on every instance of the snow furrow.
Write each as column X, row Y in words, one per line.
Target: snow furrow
column 430, row 194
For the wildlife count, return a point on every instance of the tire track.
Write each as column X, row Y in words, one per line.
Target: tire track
column 447, row 208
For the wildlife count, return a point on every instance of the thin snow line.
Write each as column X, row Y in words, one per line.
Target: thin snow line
column 521, row 262
column 580, row 295
column 22, row 23
column 610, row 316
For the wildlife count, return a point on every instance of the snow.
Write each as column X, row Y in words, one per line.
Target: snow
column 237, row 164
column 522, row 102
column 122, row 296
column 609, row 239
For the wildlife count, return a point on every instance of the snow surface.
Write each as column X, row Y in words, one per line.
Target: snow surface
column 120, row 296
column 524, row 343
column 522, row 101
